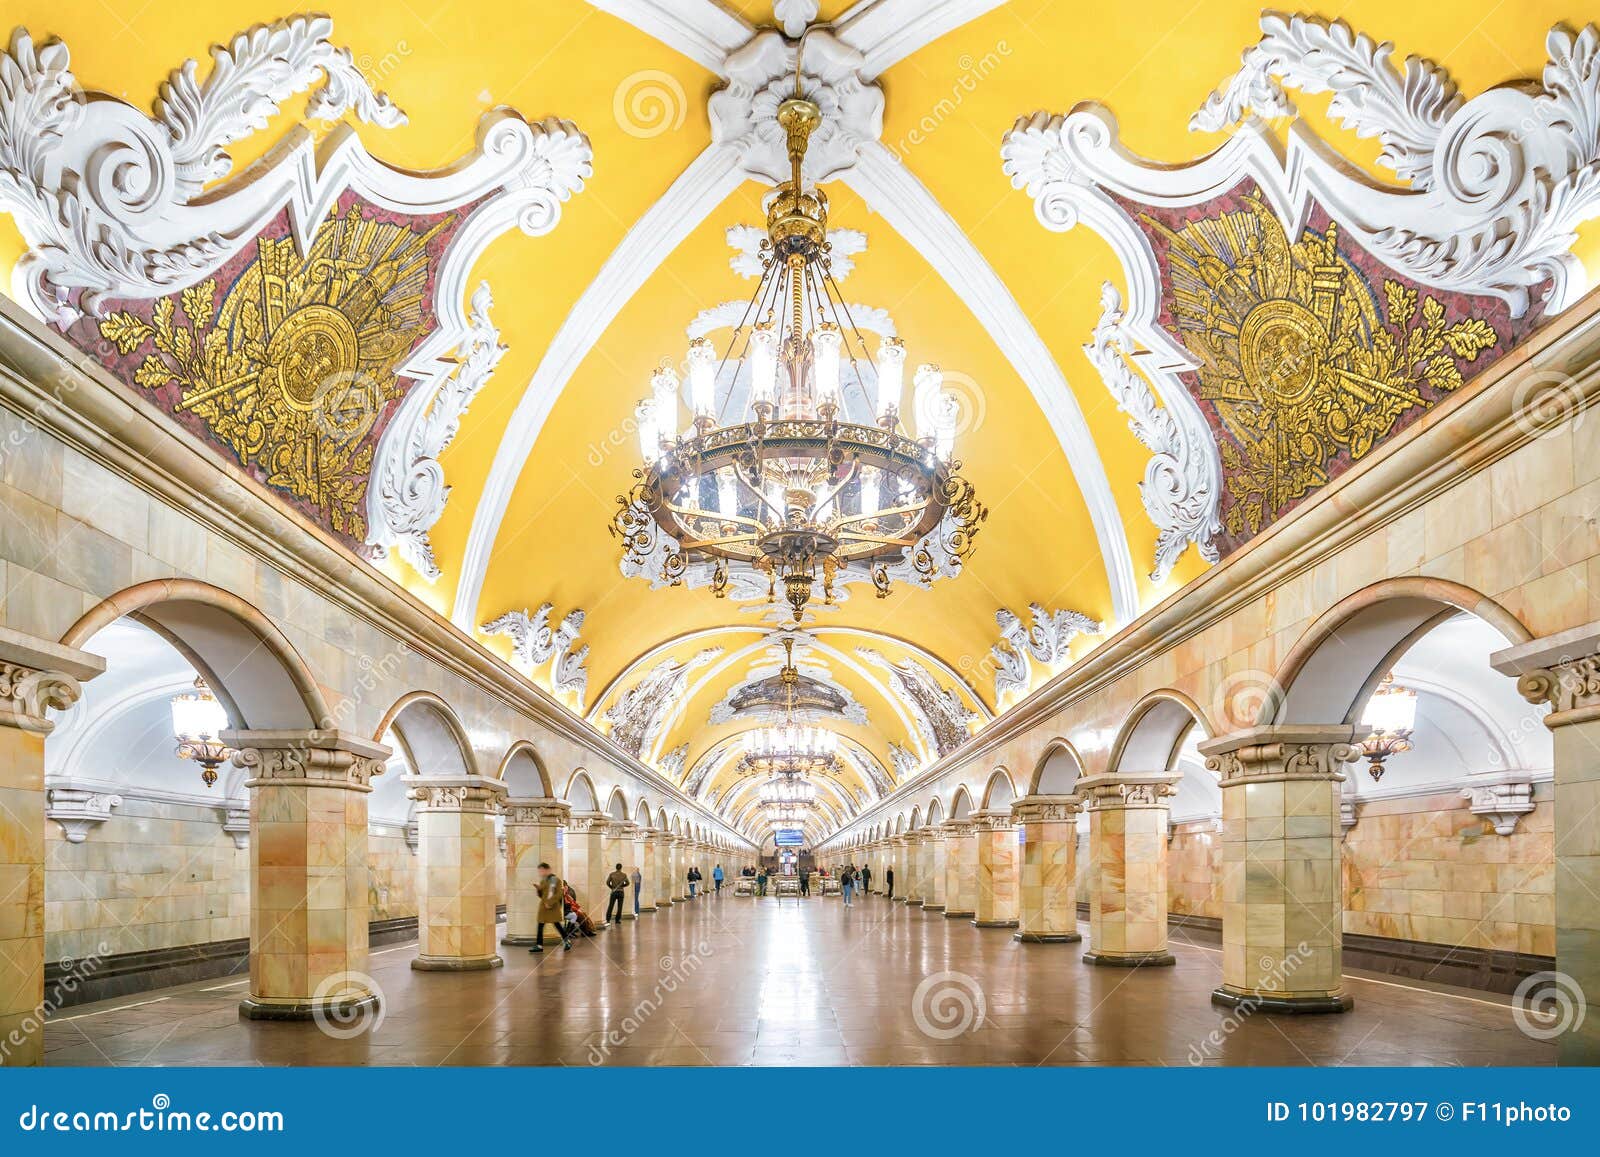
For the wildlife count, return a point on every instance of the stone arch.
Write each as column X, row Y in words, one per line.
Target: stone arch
column 524, row 773
column 1339, row 661
column 661, row 820
column 916, row 819
column 641, row 814
column 961, row 803
column 935, row 812
column 580, row 792
column 899, row 823
column 999, row 792
column 1058, row 769
column 250, row 666
column 429, row 734
column 1155, row 730
column 617, row 804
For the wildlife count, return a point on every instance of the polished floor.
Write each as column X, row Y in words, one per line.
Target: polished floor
column 740, row 981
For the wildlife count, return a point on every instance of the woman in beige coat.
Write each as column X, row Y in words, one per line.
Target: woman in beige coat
column 552, row 910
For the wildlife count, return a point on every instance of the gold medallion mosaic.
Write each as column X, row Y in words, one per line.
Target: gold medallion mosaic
column 295, row 365
column 1302, row 364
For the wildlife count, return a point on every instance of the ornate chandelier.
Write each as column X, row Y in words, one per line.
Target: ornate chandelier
column 1392, row 715
column 789, row 789
column 796, row 491
column 197, row 720
column 789, row 749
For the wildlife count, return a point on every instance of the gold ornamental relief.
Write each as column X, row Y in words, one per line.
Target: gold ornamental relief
column 297, row 363
column 1301, row 362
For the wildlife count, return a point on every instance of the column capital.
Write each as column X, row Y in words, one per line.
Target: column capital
column 582, row 823
column 454, row 793
column 993, row 820
column 536, row 811
column 1038, row 809
column 37, row 676
column 620, row 829
column 1277, row 753
column 1562, row 670
column 307, row 758
column 958, row 828
column 1127, row 789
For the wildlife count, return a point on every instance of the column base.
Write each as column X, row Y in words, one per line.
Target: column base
column 629, row 916
column 952, row 914
column 647, row 907
column 338, row 1011
column 1048, row 937
column 1228, row 998
column 1130, row 959
column 510, row 941
column 933, row 907
column 976, row 923
column 456, row 963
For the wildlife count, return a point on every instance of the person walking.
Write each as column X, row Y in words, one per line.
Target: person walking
column 552, row 909
column 618, row 883
column 761, row 881
column 694, row 881
column 638, row 887
column 847, row 880
column 866, row 879
column 716, row 879
column 888, row 882
column 805, row 882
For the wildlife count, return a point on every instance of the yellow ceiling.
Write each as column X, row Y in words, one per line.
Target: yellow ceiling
column 446, row 63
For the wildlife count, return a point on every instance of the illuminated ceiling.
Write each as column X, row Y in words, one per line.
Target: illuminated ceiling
column 632, row 243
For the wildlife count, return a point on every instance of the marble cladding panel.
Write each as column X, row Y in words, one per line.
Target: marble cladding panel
column 1047, row 879
column 961, row 875
column 392, row 876
column 22, row 884
column 1194, row 859
column 1426, row 868
column 156, row 875
column 1128, row 906
column 997, row 876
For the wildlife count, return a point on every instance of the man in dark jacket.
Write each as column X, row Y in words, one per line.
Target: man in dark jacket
column 888, row 882
column 618, row 883
column 551, row 909
column 866, row 879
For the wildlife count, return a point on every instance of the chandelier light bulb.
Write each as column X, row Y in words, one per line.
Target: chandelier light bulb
column 869, row 490
column 727, row 492
column 763, row 365
column 927, row 385
column 891, row 376
column 947, row 417
column 825, row 342
column 664, row 387
column 702, row 377
column 649, row 435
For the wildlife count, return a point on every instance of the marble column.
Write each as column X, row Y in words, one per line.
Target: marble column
column 663, row 853
column 1282, row 885
column 1047, row 904
column 456, row 861
column 960, row 869
column 933, row 849
column 916, row 885
column 617, row 848
column 644, row 857
column 35, row 677
column 534, row 835
column 586, row 868
column 996, row 840
column 1128, row 817
column 1564, row 671
column 308, row 871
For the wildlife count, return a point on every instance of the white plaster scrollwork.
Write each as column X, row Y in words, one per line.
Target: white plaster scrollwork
column 413, row 835
column 761, row 75
column 1500, row 182
column 906, row 764
column 1502, row 800
column 672, row 763
column 27, row 694
column 408, row 492
column 637, row 718
column 943, row 720
column 1182, row 482
column 79, row 811
column 534, row 642
column 1045, row 641
column 793, row 15
column 844, row 245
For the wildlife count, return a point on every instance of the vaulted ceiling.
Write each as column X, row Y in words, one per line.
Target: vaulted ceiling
column 950, row 249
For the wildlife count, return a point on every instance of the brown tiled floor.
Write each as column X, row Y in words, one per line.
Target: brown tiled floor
column 743, row 981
